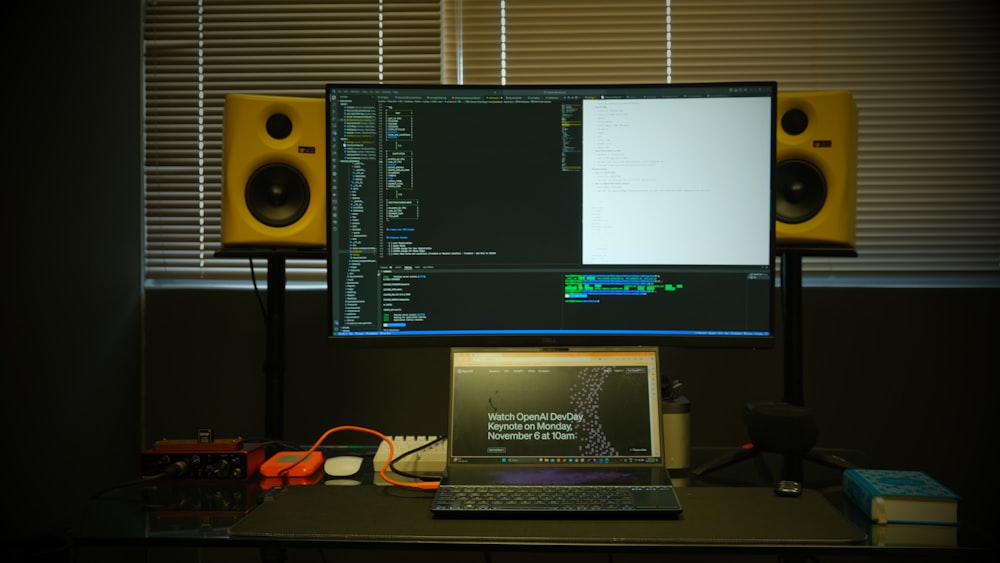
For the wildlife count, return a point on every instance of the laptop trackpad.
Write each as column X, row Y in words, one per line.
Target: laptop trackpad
column 654, row 497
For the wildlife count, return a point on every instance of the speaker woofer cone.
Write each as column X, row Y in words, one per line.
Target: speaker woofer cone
column 277, row 195
column 800, row 191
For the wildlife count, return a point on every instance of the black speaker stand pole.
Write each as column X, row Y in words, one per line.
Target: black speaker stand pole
column 791, row 305
column 791, row 410
column 274, row 357
column 794, row 364
column 274, row 327
column 791, row 315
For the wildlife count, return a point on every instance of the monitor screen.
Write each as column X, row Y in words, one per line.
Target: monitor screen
column 551, row 215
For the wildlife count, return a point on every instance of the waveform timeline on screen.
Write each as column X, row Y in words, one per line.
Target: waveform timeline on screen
column 639, row 214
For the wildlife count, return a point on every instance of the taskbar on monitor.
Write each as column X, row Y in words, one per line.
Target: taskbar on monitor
column 351, row 333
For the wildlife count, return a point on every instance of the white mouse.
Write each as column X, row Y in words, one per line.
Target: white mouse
column 342, row 465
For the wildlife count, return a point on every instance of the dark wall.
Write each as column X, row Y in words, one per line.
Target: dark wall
column 906, row 376
column 71, row 275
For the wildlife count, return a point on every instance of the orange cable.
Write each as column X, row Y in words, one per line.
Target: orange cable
column 392, row 452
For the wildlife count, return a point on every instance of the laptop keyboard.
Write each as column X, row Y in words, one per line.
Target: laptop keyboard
column 543, row 498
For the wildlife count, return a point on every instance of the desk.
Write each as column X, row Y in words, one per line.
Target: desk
column 751, row 517
column 719, row 520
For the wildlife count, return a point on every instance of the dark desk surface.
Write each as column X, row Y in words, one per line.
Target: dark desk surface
column 712, row 516
column 719, row 516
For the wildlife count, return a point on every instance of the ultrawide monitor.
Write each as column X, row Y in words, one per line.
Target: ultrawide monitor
column 562, row 215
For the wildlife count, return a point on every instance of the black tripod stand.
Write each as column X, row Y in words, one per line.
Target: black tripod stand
column 785, row 427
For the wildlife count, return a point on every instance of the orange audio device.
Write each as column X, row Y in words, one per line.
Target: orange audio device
column 225, row 458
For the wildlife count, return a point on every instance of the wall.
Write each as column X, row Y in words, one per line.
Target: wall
column 906, row 376
column 71, row 279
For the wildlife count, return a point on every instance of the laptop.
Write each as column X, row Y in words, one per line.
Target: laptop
column 555, row 432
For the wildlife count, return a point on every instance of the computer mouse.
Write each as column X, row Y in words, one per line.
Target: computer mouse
column 342, row 465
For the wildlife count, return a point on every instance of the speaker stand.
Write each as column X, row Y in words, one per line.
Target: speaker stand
column 274, row 328
column 274, row 355
column 770, row 424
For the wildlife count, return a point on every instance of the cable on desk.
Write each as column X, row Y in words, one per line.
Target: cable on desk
column 382, row 472
column 392, row 462
column 175, row 469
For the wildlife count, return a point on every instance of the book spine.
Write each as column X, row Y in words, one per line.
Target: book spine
column 863, row 497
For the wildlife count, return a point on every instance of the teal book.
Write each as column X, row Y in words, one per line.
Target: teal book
column 898, row 496
column 902, row 533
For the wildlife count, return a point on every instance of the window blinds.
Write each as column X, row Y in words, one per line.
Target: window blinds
column 197, row 51
column 924, row 75
column 558, row 42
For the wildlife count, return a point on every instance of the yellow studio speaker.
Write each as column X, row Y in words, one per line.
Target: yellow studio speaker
column 273, row 171
column 816, row 172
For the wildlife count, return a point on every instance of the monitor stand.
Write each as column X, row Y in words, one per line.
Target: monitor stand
column 787, row 427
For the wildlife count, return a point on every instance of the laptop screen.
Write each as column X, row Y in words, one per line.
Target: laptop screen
column 567, row 406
